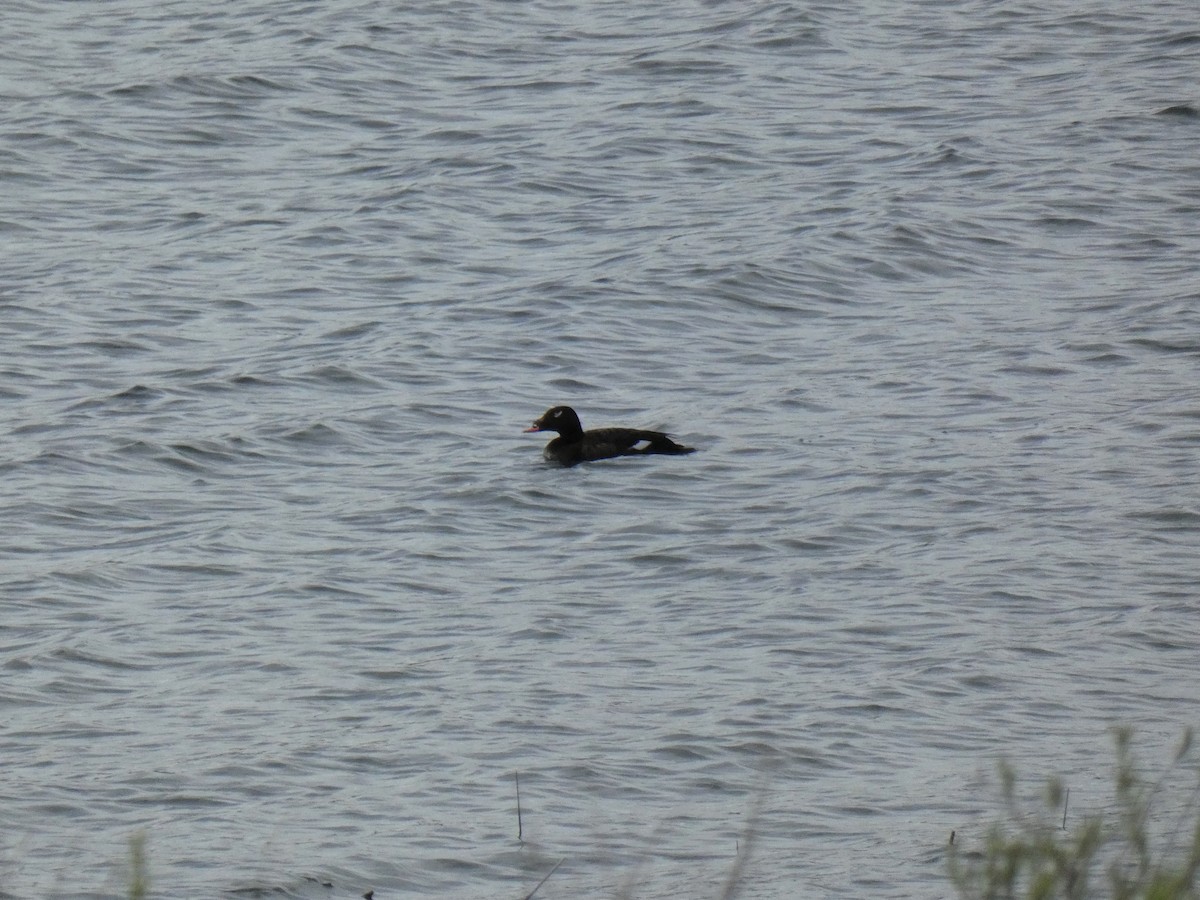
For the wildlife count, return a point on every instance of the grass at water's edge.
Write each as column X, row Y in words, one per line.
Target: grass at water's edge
column 1121, row 855
column 139, row 879
column 1025, row 856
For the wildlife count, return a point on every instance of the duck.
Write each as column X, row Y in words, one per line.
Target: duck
column 574, row 445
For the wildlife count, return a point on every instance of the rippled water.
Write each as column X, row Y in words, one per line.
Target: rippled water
column 286, row 588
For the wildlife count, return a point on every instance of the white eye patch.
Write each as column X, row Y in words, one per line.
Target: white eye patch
column 557, row 413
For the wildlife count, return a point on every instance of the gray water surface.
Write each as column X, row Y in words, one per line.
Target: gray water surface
column 286, row 589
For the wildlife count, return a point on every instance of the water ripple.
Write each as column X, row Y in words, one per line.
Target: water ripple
column 283, row 286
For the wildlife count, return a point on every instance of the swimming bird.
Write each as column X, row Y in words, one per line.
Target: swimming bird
column 574, row 445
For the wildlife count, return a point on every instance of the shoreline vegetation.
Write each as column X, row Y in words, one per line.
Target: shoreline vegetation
column 1125, row 853
column 1135, row 850
column 139, row 875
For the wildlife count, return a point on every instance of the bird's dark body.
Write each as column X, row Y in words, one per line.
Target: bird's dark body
column 574, row 445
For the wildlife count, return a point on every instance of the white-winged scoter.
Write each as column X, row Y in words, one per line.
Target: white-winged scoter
column 574, row 445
